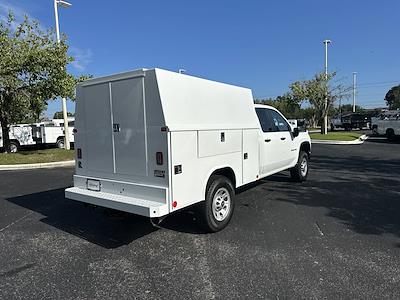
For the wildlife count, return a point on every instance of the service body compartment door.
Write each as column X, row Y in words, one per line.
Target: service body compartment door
column 98, row 135
column 129, row 126
column 251, row 156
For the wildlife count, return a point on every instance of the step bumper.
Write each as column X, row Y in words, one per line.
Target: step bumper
column 128, row 204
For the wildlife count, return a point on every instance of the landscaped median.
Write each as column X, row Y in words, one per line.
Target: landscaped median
column 342, row 137
column 36, row 159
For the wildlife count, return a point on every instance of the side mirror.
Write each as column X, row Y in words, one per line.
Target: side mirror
column 295, row 131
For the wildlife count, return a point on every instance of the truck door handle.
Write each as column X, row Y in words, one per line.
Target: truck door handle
column 267, row 140
column 283, row 138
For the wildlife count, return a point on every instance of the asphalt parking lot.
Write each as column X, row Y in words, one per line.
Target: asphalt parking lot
column 335, row 236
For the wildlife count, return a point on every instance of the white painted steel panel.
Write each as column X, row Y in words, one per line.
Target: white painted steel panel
column 189, row 186
column 191, row 103
column 251, row 148
column 98, row 128
column 218, row 142
column 129, row 115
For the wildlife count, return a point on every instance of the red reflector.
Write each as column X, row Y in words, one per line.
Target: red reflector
column 174, row 204
column 79, row 153
column 159, row 158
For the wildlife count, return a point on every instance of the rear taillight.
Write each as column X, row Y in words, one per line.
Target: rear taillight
column 159, row 158
column 79, row 153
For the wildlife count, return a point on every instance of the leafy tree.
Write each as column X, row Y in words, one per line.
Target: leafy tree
column 392, row 97
column 59, row 115
column 316, row 91
column 348, row 108
column 32, row 71
column 286, row 104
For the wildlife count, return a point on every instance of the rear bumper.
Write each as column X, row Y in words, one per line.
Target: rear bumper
column 132, row 205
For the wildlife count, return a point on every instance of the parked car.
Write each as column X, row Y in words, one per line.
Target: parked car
column 151, row 142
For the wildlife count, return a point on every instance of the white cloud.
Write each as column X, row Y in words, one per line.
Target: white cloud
column 19, row 14
column 83, row 57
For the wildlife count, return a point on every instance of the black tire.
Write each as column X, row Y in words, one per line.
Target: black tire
column 297, row 172
column 60, row 143
column 14, row 147
column 221, row 185
column 390, row 134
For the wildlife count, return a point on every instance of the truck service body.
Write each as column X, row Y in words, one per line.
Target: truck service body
column 151, row 142
column 48, row 133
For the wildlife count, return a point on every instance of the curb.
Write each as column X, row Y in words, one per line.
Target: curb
column 68, row 163
column 358, row 141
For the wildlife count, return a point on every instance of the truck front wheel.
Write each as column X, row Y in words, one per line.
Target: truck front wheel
column 218, row 207
column 299, row 172
column 14, row 147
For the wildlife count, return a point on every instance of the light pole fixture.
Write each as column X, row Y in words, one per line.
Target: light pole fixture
column 354, row 91
column 64, row 4
column 326, row 42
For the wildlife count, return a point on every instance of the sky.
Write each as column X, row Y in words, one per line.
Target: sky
column 259, row 44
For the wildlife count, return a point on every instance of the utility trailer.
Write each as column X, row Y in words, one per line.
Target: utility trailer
column 151, row 142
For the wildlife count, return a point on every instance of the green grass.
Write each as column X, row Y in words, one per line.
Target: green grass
column 336, row 136
column 36, row 156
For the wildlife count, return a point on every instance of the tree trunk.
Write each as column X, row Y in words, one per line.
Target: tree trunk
column 5, row 137
column 323, row 127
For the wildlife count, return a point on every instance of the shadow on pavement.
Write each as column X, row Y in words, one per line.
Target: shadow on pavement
column 104, row 227
column 362, row 194
column 382, row 140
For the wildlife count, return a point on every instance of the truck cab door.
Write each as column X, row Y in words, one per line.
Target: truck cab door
column 276, row 144
column 286, row 145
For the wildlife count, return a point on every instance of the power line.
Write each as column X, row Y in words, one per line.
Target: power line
column 378, row 83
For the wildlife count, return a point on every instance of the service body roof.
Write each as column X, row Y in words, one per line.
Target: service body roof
column 192, row 103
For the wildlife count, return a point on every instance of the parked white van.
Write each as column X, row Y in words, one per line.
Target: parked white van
column 151, row 142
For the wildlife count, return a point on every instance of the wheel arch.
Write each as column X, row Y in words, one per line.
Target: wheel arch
column 226, row 171
column 15, row 141
column 306, row 147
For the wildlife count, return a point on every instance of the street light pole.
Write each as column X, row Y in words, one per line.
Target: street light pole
column 64, row 101
column 326, row 42
column 354, row 91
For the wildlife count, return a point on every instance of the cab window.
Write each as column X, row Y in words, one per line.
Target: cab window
column 265, row 120
column 279, row 122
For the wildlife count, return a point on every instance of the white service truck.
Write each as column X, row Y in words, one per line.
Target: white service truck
column 20, row 135
column 151, row 142
column 53, row 133
column 387, row 123
column 48, row 133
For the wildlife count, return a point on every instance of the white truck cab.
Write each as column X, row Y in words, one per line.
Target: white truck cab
column 151, row 142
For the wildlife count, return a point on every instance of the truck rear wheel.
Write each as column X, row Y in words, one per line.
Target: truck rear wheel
column 218, row 207
column 299, row 172
column 60, row 143
column 390, row 134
